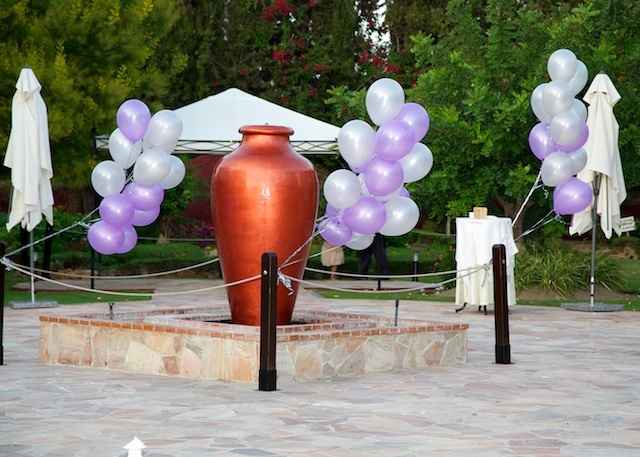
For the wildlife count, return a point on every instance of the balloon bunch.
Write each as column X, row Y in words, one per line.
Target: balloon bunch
column 144, row 143
column 375, row 200
column 559, row 138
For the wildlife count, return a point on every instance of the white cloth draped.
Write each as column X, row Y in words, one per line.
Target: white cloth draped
column 29, row 155
column 474, row 242
column 603, row 157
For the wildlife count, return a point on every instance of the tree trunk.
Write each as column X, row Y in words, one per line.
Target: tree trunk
column 510, row 209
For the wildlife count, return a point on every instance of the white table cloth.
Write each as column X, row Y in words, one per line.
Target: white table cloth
column 474, row 242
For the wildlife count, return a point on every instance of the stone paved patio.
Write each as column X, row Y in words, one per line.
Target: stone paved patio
column 574, row 390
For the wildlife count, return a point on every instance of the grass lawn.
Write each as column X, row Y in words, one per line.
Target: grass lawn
column 631, row 303
column 69, row 298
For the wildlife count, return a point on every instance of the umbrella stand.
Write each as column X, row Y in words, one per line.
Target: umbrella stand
column 33, row 303
column 592, row 306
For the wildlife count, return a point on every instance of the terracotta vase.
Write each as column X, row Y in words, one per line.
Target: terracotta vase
column 265, row 198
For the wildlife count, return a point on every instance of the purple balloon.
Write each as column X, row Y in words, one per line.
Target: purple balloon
column 332, row 212
column 394, row 140
column 404, row 192
column 582, row 139
column 130, row 240
column 144, row 197
column 132, row 118
column 572, row 197
column 116, row 210
column 416, row 117
column 334, row 232
column 383, row 177
column 365, row 217
column 540, row 141
column 142, row 217
column 105, row 238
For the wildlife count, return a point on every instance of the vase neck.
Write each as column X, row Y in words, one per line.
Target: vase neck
column 265, row 138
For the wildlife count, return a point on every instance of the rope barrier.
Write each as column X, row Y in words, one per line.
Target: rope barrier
column 388, row 291
column 139, row 276
column 128, row 294
column 418, row 275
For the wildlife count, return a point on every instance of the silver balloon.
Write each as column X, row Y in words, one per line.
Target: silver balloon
column 342, row 189
column 151, row 167
column 122, row 150
column 417, row 164
column 356, row 141
column 402, row 216
column 556, row 97
column 537, row 104
column 557, row 168
column 384, row 100
column 579, row 109
column 566, row 127
column 578, row 160
column 176, row 174
column 359, row 242
column 163, row 131
column 579, row 79
column 562, row 65
column 107, row 178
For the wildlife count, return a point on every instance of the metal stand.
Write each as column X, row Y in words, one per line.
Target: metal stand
column 267, row 375
column 397, row 310
column 592, row 306
column 501, row 305
column 3, row 250
column 33, row 303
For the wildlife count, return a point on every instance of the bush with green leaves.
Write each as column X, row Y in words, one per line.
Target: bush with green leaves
column 563, row 270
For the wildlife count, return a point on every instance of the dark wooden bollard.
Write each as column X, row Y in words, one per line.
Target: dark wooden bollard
column 267, row 375
column 501, row 304
column 3, row 250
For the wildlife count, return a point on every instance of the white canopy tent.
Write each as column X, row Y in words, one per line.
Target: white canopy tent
column 210, row 125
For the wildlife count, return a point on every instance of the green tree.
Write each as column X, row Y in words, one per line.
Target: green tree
column 476, row 80
column 89, row 57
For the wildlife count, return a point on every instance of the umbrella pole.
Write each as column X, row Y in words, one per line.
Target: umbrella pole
column 33, row 281
column 594, row 217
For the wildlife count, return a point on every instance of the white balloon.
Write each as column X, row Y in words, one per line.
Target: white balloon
column 384, row 100
column 107, row 178
column 578, row 160
column 151, row 167
column 556, row 169
column 562, row 65
column 579, row 109
column 176, row 174
column 402, row 216
column 342, row 189
column 556, row 97
column 163, row 131
column 579, row 79
column 356, row 141
column 537, row 104
column 566, row 127
column 359, row 242
column 122, row 150
column 417, row 164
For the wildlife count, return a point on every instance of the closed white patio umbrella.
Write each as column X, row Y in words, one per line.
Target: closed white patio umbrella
column 603, row 170
column 29, row 157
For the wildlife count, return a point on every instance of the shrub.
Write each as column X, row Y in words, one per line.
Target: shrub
column 563, row 270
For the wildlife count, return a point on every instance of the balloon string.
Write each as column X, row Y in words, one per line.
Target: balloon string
column 534, row 187
column 541, row 223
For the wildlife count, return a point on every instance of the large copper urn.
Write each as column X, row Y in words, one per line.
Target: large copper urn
column 265, row 198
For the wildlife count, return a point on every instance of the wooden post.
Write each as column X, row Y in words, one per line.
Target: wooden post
column 501, row 304
column 416, row 266
column 3, row 250
column 267, row 375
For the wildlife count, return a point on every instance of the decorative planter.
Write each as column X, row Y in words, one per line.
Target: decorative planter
column 265, row 198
